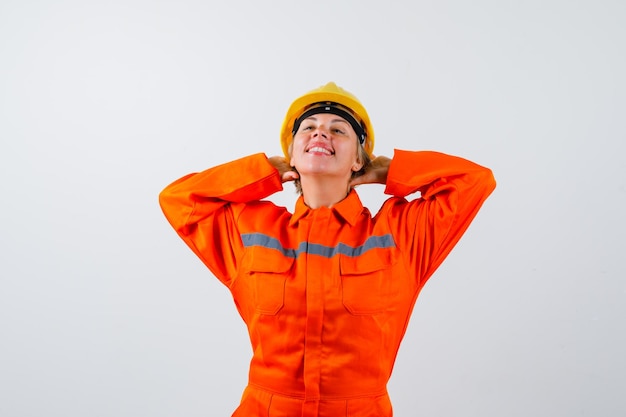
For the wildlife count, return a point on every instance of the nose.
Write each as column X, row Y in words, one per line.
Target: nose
column 321, row 131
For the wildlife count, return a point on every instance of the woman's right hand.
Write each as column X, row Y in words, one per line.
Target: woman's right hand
column 284, row 169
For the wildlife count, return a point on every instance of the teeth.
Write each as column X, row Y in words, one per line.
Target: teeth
column 319, row 149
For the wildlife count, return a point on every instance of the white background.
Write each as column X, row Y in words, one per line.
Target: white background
column 105, row 312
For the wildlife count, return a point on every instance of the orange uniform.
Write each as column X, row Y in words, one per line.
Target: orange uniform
column 326, row 294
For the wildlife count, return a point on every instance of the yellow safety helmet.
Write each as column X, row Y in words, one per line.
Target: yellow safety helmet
column 328, row 98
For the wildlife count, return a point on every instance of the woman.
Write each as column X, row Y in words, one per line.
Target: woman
column 326, row 292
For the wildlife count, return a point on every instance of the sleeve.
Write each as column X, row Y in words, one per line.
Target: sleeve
column 452, row 191
column 203, row 208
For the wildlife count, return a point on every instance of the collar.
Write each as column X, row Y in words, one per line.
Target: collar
column 349, row 209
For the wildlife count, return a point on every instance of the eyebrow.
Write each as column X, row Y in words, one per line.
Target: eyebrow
column 332, row 120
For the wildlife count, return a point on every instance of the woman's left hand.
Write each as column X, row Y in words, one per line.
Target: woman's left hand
column 375, row 172
column 286, row 171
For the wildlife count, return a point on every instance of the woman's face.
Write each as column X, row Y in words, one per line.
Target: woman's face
column 325, row 144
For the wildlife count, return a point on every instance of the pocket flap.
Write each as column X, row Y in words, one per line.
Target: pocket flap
column 371, row 261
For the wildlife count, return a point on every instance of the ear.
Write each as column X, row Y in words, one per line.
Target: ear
column 290, row 154
column 358, row 162
column 356, row 167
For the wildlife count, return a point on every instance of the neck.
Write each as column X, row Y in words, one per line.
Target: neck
column 323, row 192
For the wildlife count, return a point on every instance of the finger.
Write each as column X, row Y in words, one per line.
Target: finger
column 357, row 181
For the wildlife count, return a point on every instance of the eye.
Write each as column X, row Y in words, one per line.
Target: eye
column 340, row 131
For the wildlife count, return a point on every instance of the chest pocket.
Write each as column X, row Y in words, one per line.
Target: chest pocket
column 368, row 285
column 265, row 273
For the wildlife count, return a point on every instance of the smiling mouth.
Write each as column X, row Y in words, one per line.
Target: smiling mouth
column 319, row 149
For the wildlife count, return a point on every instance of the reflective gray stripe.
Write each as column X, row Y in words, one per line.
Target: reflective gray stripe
column 259, row 239
column 373, row 242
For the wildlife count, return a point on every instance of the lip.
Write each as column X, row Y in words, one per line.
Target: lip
column 319, row 149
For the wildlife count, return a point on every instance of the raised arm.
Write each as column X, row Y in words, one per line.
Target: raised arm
column 452, row 191
column 202, row 208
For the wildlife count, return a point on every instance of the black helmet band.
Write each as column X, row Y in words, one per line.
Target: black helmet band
column 332, row 108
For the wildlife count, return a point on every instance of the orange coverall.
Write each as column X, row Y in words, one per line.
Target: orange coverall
column 326, row 294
